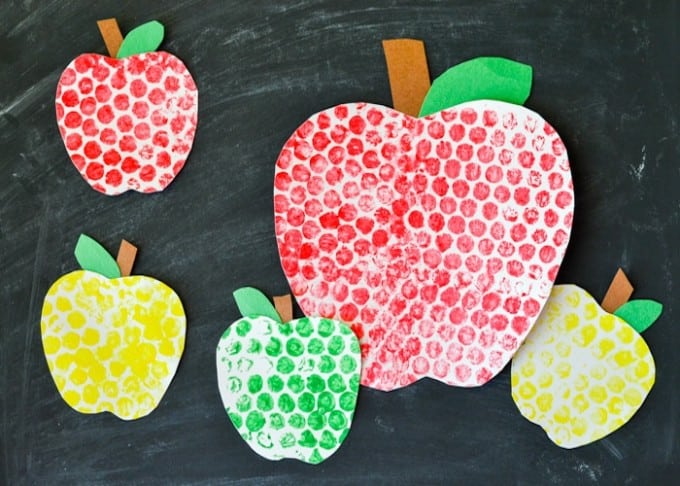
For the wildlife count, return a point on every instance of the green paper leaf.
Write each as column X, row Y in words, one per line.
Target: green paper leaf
column 482, row 78
column 640, row 314
column 145, row 38
column 94, row 257
column 251, row 302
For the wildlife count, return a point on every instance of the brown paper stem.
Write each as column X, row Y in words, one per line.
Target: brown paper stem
column 619, row 292
column 408, row 73
column 126, row 257
column 284, row 306
column 111, row 34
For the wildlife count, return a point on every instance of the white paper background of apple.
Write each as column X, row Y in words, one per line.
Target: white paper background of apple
column 398, row 351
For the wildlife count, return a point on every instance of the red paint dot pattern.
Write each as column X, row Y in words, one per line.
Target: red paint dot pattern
column 133, row 126
column 437, row 239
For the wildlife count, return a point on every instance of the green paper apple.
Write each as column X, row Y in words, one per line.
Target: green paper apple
column 289, row 388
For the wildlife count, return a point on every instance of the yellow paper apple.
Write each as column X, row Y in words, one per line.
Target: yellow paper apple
column 583, row 372
column 112, row 341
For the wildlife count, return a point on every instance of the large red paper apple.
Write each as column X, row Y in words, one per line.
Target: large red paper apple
column 438, row 239
column 128, row 121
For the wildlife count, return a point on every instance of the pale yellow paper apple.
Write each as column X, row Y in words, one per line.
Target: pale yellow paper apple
column 112, row 342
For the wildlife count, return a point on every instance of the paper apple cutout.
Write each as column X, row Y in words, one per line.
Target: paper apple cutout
column 128, row 123
column 583, row 372
column 112, row 342
column 289, row 388
column 437, row 238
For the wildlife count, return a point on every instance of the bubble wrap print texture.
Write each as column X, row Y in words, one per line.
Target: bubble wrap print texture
column 112, row 345
column 437, row 239
column 290, row 389
column 582, row 372
column 127, row 123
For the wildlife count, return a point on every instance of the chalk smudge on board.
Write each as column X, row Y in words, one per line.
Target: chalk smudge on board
column 638, row 171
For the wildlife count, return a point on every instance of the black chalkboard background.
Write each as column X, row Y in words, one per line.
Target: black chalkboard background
column 606, row 76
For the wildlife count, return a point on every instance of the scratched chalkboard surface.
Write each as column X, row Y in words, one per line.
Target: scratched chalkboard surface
column 605, row 75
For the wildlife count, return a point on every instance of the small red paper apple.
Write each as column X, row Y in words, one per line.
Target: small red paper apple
column 128, row 122
column 438, row 238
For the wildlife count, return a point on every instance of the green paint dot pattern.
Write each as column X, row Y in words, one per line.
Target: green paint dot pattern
column 290, row 389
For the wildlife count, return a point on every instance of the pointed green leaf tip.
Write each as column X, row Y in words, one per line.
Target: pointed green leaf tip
column 482, row 78
column 94, row 257
column 640, row 314
column 145, row 38
column 252, row 302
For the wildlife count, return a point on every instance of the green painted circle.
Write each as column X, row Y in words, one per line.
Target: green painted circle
column 336, row 345
column 285, row 365
column 286, row 403
column 328, row 440
column 255, row 421
column 316, row 384
column 277, row 421
column 255, row 384
column 316, row 420
column 243, row 327
column 336, row 383
column 275, row 383
column 265, row 402
column 348, row 401
column 304, row 327
column 326, row 327
column 348, row 364
column 273, row 347
column 337, row 420
column 296, row 384
column 296, row 421
column 315, row 346
column 243, row 403
column 294, row 347
column 326, row 364
column 326, row 402
column 306, row 402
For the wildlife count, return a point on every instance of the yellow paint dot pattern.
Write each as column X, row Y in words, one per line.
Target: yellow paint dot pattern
column 582, row 373
column 112, row 345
